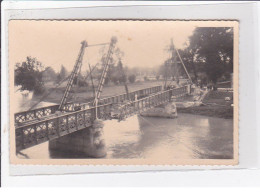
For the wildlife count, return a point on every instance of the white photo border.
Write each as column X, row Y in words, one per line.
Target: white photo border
column 246, row 13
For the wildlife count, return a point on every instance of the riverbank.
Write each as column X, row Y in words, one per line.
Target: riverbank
column 213, row 105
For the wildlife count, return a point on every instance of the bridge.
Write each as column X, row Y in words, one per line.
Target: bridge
column 43, row 124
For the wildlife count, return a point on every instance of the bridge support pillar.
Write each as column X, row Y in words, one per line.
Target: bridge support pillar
column 86, row 142
column 168, row 110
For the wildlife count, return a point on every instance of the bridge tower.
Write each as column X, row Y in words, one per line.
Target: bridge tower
column 105, row 70
column 74, row 74
column 173, row 64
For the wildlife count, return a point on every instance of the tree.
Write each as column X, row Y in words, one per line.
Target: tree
column 28, row 75
column 212, row 48
column 132, row 78
column 49, row 74
column 117, row 74
column 110, row 72
column 121, row 72
column 187, row 56
column 62, row 74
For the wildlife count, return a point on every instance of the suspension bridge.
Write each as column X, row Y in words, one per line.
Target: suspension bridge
column 40, row 125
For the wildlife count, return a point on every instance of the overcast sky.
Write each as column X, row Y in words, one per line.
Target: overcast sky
column 58, row 42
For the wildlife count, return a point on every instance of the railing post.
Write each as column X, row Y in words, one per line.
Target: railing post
column 22, row 134
column 34, row 113
column 47, row 130
column 43, row 111
column 84, row 118
column 67, row 123
column 58, row 127
column 76, row 121
column 35, row 133
column 25, row 116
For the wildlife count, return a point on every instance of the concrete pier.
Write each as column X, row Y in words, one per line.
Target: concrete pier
column 168, row 110
column 87, row 142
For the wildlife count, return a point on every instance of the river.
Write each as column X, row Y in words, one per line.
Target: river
column 186, row 137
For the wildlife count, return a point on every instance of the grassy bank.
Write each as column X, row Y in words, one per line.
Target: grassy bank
column 214, row 105
column 85, row 94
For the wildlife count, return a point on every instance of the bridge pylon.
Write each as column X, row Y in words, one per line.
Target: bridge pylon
column 74, row 74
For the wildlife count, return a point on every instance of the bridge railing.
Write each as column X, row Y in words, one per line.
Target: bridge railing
column 151, row 101
column 46, row 128
column 40, row 131
column 138, row 93
column 181, row 91
column 114, row 99
column 45, row 111
column 35, row 113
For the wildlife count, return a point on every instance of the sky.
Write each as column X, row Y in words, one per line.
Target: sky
column 56, row 43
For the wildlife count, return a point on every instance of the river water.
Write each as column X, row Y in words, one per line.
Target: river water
column 186, row 137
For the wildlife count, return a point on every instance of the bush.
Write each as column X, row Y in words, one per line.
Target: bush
column 132, row 78
column 83, row 83
column 38, row 90
column 28, row 75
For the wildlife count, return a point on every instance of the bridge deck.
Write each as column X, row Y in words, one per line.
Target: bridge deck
column 25, row 116
column 37, row 131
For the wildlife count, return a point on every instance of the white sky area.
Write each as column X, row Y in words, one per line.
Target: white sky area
column 56, row 43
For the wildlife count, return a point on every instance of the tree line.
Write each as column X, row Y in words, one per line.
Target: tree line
column 32, row 75
column 208, row 57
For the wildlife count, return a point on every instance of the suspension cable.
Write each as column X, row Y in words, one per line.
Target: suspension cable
column 183, row 65
column 98, row 44
column 92, row 82
column 46, row 95
column 65, row 79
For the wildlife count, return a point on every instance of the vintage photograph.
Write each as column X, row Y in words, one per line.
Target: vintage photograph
column 123, row 92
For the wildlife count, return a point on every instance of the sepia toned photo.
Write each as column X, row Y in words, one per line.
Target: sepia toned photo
column 123, row 92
